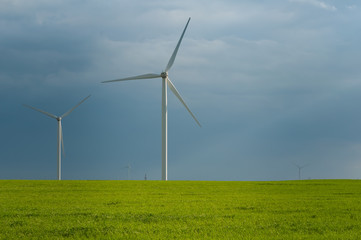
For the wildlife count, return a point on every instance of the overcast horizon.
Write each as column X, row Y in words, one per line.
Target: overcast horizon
column 273, row 85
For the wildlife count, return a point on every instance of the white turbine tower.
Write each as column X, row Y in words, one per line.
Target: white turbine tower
column 60, row 130
column 165, row 81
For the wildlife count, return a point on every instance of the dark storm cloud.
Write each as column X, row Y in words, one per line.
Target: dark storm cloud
column 272, row 84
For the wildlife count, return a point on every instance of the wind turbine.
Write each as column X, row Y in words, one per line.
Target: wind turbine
column 128, row 167
column 60, row 130
column 165, row 81
column 299, row 169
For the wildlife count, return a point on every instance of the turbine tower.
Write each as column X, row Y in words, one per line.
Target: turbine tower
column 60, row 130
column 165, row 81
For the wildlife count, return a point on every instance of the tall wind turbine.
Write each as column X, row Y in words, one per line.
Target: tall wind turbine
column 165, row 81
column 128, row 167
column 299, row 169
column 60, row 130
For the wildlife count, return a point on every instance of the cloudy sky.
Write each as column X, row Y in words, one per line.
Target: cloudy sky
column 273, row 83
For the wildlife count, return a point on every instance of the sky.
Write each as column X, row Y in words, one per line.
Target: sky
column 274, row 84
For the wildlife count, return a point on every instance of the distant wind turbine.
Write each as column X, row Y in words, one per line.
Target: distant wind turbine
column 128, row 167
column 60, row 130
column 165, row 81
column 299, row 169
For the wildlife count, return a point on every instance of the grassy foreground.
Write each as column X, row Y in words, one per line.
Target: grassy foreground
column 312, row 209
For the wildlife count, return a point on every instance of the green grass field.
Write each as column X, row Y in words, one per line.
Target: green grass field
column 312, row 209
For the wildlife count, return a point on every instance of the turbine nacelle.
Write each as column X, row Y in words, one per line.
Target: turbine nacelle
column 59, row 119
column 164, row 74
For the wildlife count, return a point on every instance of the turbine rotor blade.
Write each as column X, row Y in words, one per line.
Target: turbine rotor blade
column 172, row 58
column 43, row 112
column 176, row 93
column 301, row 166
column 144, row 76
column 296, row 164
column 68, row 112
column 304, row 165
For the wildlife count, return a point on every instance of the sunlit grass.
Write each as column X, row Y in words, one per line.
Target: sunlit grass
column 312, row 209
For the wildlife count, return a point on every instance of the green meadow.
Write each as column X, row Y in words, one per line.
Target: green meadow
column 310, row 209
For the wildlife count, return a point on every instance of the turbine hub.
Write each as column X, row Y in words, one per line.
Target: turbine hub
column 58, row 118
column 164, row 74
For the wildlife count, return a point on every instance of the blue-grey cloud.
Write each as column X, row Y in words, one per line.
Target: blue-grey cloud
column 272, row 84
column 317, row 3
